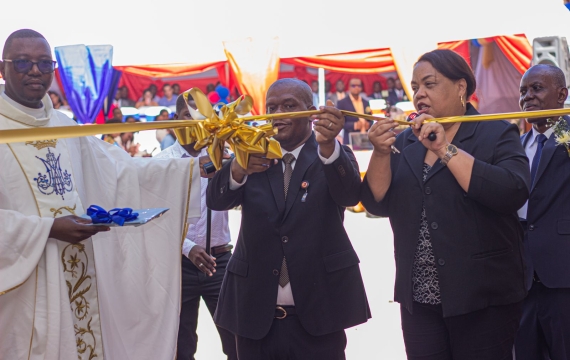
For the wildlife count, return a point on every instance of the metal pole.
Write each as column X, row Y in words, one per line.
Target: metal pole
column 322, row 99
column 208, row 228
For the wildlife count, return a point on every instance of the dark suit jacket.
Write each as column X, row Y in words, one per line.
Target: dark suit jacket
column 346, row 104
column 323, row 267
column 476, row 235
column 547, row 239
column 393, row 97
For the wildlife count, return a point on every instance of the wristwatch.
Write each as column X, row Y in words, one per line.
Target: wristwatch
column 451, row 152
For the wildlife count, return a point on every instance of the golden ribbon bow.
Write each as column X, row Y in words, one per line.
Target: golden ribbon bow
column 226, row 125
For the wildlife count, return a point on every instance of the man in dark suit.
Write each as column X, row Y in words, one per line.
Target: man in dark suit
column 293, row 284
column 544, row 332
column 396, row 93
column 356, row 103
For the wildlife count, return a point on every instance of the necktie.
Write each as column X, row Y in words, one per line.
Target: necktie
column 287, row 159
column 540, row 140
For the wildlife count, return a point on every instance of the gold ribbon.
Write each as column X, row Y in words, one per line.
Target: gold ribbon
column 229, row 125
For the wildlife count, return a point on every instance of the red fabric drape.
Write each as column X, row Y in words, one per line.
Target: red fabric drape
column 168, row 70
column 356, row 62
column 137, row 84
column 301, row 73
column 517, row 49
column 461, row 47
column 363, row 64
column 139, row 78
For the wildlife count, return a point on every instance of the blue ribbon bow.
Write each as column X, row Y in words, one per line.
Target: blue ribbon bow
column 116, row 215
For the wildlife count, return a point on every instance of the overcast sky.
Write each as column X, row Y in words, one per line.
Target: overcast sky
column 176, row 31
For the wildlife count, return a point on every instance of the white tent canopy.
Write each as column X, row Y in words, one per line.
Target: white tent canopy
column 180, row 31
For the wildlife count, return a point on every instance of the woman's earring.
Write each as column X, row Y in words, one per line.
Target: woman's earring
column 462, row 102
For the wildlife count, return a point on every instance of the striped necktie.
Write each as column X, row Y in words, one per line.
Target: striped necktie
column 288, row 160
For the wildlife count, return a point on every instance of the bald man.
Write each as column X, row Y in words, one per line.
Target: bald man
column 293, row 284
column 544, row 331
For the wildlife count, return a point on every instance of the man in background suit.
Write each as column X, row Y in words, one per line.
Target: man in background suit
column 339, row 93
column 544, row 332
column 396, row 93
column 293, row 284
column 356, row 103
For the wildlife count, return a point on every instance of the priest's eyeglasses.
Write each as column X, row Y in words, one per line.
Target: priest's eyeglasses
column 23, row 66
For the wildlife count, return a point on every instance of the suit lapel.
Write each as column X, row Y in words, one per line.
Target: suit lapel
column 547, row 153
column 545, row 157
column 415, row 154
column 466, row 130
column 350, row 104
column 307, row 157
column 275, row 177
column 525, row 139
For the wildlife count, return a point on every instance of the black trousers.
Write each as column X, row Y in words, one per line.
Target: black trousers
column 196, row 285
column 544, row 332
column 288, row 340
column 486, row 334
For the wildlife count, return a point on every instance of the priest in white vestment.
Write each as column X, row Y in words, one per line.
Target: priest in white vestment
column 114, row 295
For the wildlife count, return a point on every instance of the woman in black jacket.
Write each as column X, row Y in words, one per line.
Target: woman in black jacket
column 452, row 203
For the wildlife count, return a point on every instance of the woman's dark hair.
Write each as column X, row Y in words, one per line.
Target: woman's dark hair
column 452, row 65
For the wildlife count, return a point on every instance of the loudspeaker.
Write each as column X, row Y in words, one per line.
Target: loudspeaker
column 552, row 50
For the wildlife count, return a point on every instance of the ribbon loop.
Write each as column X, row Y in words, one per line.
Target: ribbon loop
column 117, row 215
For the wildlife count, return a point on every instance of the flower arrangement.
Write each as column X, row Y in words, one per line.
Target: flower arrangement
column 561, row 132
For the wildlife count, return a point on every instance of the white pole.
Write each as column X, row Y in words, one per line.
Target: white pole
column 322, row 99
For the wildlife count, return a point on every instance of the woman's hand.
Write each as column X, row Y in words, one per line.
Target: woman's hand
column 422, row 131
column 382, row 137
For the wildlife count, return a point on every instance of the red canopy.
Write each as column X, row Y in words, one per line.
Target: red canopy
column 355, row 62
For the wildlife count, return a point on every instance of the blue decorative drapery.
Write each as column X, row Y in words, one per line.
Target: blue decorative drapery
column 113, row 88
column 86, row 73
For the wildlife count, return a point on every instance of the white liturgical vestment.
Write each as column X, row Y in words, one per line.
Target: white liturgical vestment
column 113, row 296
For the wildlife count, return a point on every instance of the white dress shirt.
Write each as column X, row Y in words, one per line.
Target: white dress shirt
column 284, row 294
column 196, row 234
column 530, row 149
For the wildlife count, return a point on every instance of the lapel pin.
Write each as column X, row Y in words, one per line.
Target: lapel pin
column 305, row 185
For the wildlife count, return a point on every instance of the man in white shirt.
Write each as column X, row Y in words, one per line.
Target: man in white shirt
column 202, row 274
column 293, row 283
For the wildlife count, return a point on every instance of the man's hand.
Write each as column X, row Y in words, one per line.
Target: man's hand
column 327, row 126
column 206, row 159
column 134, row 149
column 257, row 163
column 73, row 229
column 203, row 261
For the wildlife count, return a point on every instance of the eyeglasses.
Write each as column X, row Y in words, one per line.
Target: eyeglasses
column 355, row 85
column 24, row 66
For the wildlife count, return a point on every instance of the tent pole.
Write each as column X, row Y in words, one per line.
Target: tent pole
column 322, row 100
column 227, row 71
